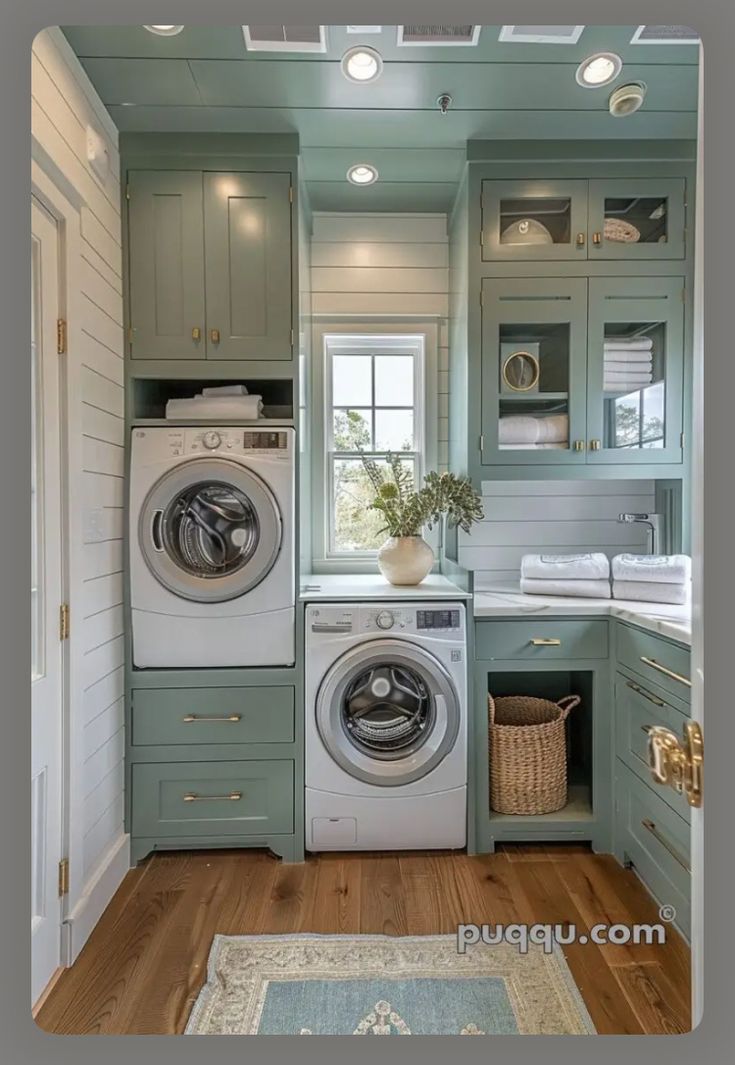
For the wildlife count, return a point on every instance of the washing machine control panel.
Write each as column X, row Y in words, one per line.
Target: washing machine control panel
column 273, row 442
column 438, row 619
column 388, row 617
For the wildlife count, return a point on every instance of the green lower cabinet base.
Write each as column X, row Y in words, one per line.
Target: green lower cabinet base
column 288, row 847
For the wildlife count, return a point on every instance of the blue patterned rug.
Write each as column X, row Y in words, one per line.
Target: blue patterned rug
column 383, row 985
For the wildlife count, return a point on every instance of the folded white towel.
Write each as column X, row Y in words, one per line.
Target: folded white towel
column 592, row 566
column 644, row 374
column 651, row 592
column 622, row 388
column 612, row 366
column 578, row 589
column 561, row 446
column 641, row 344
column 225, row 390
column 527, row 429
column 247, row 408
column 657, row 569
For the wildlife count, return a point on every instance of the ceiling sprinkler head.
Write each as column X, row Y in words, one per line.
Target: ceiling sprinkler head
column 444, row 102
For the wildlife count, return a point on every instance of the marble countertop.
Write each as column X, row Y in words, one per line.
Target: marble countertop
column 504, row 599
column 358, row 587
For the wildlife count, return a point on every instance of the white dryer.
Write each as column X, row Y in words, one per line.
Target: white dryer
column 212, row 567
column 386, row 726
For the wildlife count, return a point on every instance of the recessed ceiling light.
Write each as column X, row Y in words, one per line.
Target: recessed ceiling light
column 164, row 31
column 362, row 64
column 627, row 99
column 600, row 69
column 362, row 174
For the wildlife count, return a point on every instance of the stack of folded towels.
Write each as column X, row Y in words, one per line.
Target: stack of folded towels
column 221, row 401
column 587, row 576
column 527, row 431
column 652, row 578
column 628, row 364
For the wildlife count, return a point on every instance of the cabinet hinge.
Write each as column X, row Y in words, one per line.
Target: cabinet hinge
column 63, row 877
column 61, row 336
column 64, row 621
column 683, row 295
column 127, row 192
column 292, row 338
column 681, row 440
column 131, row 334
column 290, row 193
column 482, row 443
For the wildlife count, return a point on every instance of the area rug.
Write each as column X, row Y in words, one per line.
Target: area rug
column 384, row 985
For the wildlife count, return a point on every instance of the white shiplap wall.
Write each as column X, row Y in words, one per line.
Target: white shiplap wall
column 559, row 517
column 63, row 104
column 386, row 264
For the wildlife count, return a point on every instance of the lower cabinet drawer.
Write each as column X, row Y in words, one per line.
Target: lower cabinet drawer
column 659, row 661
column 656, row 840
column 218, row 798
column 540, row 641
column 637, row 708
column 162, row 716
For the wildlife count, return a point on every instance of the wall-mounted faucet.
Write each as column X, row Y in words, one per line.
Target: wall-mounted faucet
column 653, row 521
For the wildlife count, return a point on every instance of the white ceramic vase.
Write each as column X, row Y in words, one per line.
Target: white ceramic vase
column 405, row 559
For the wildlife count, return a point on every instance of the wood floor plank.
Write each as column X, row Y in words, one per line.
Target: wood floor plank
column 145, row 962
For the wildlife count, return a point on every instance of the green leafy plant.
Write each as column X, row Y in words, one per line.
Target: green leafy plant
column 407, row 510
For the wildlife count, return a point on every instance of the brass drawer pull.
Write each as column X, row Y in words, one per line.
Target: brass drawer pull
column 580, row 240
column 196, row 333
column 579, row 445
column 210, row 717
column 233, row 796
column 646, row 695
column 597, row 239
column 595, row 445
column 214, row 336
column 667, row 672
column 545, row 641
column 650, row 826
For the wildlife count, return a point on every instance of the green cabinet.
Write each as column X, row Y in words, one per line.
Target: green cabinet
column 604, row 218
column 210, row 265
column 582, row 370
column 166, row 265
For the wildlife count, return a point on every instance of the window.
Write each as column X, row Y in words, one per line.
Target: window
column 374, row 391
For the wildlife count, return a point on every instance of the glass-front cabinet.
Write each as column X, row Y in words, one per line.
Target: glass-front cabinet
column 635, row 369
column 607, row 218
column 637, row 218
column 534, row 353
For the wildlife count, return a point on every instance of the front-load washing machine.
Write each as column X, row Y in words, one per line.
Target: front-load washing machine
column 212, row 568
column 386, row 726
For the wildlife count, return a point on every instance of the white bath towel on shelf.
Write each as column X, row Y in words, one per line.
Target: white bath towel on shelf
column 652, row 592
column 246, row 408
column 644, row 374
column 657, row 569
column 561, row 446
column 639, row 344
column 628, row 358
column 591, row 566
column 528, row 429
column 225, row 390
column 575, row 589
column 612, row 366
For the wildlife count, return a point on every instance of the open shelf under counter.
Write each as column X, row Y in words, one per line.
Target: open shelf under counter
column 578, row 809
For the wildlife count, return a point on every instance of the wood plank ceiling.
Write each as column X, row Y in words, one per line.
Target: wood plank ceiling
column 204, row 79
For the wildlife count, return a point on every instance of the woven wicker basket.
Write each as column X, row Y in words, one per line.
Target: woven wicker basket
column 528, row 753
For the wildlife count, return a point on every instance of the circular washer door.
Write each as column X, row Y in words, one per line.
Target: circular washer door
column 210, row 530
column 388, row 712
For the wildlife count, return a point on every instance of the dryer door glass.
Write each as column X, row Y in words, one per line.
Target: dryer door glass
column 388, row 711
column 210, row 530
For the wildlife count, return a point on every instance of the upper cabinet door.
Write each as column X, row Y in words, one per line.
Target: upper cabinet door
column 166, row 253
column 247, row 220
column 637, row 218
column 534, row 352
column 635, row 369
column 534, row 221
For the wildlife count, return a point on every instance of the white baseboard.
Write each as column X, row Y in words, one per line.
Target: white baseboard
column 96, row 897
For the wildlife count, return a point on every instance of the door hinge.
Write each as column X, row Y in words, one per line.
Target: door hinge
column 63, row 877
column 64, row 621
column 61, row 336
column 290, row 193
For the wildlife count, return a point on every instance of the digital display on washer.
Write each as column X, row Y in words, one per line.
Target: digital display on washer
column 437, row 619
column 268, row 441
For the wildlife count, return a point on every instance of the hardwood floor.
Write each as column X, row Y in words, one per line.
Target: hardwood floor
column 145, row 962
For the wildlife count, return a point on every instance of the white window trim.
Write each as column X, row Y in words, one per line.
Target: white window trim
column 409, row 334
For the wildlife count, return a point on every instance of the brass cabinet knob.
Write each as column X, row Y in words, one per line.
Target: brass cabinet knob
column 597, row 239
column 214, row 336
column 579, row 445
column 196, row 333
column 595, row 445
column 580, row 240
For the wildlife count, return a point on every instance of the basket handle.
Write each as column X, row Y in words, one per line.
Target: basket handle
column 567, row 704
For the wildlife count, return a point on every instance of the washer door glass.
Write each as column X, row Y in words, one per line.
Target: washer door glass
column 210, row 530
column 388, row 712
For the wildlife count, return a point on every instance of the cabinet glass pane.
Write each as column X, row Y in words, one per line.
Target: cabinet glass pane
column 535, row 221
column 636, row 220
column 634, row 385
column 533, row 386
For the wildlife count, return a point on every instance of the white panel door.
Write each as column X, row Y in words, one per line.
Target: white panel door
column 46, row 597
